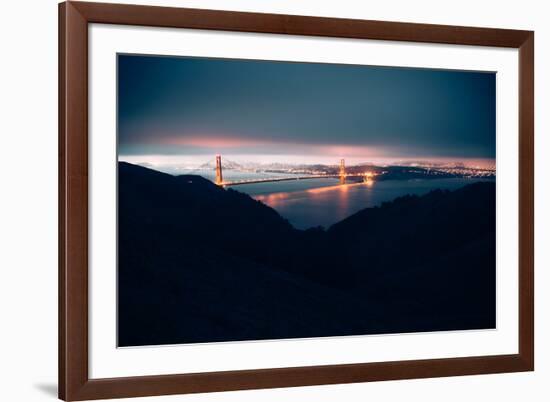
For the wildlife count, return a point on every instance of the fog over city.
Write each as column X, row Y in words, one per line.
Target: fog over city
column 182, row 111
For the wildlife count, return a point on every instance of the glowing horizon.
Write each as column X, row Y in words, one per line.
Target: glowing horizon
column 184, row 110
column 195, row 161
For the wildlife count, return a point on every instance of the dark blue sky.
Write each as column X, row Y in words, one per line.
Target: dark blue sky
column 195, row 107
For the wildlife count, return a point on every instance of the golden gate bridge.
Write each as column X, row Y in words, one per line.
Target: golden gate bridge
column 341, row 175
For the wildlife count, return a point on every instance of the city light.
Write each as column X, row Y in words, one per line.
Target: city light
column 354, row 173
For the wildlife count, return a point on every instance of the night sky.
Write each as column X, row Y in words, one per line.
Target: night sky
column 189, row 109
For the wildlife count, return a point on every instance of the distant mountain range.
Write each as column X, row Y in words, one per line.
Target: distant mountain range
column 226, row 165
column 200, row 263
column 229, row 165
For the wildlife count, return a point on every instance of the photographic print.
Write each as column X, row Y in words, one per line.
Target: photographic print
column 266, row 200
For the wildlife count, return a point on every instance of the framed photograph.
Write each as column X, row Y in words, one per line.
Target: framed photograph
column 259, row 200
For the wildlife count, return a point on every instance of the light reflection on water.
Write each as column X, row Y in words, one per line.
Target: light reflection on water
column 323, row 202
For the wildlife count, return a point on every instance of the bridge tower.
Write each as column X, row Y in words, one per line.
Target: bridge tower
column 342, row 171
column 219, row 176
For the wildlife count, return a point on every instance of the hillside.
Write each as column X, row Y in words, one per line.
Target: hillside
column 198, row 263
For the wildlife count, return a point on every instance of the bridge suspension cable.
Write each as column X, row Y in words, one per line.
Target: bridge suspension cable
column 341, row 174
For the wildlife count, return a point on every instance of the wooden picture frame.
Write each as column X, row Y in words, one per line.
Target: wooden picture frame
column 74, row 381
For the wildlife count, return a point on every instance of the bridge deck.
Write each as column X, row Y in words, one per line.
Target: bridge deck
column 276, row 179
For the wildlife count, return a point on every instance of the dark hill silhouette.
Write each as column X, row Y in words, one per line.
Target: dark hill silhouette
column 198, row 263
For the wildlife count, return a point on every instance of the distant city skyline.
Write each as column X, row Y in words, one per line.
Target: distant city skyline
column 183, row 110
column 194, row 162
